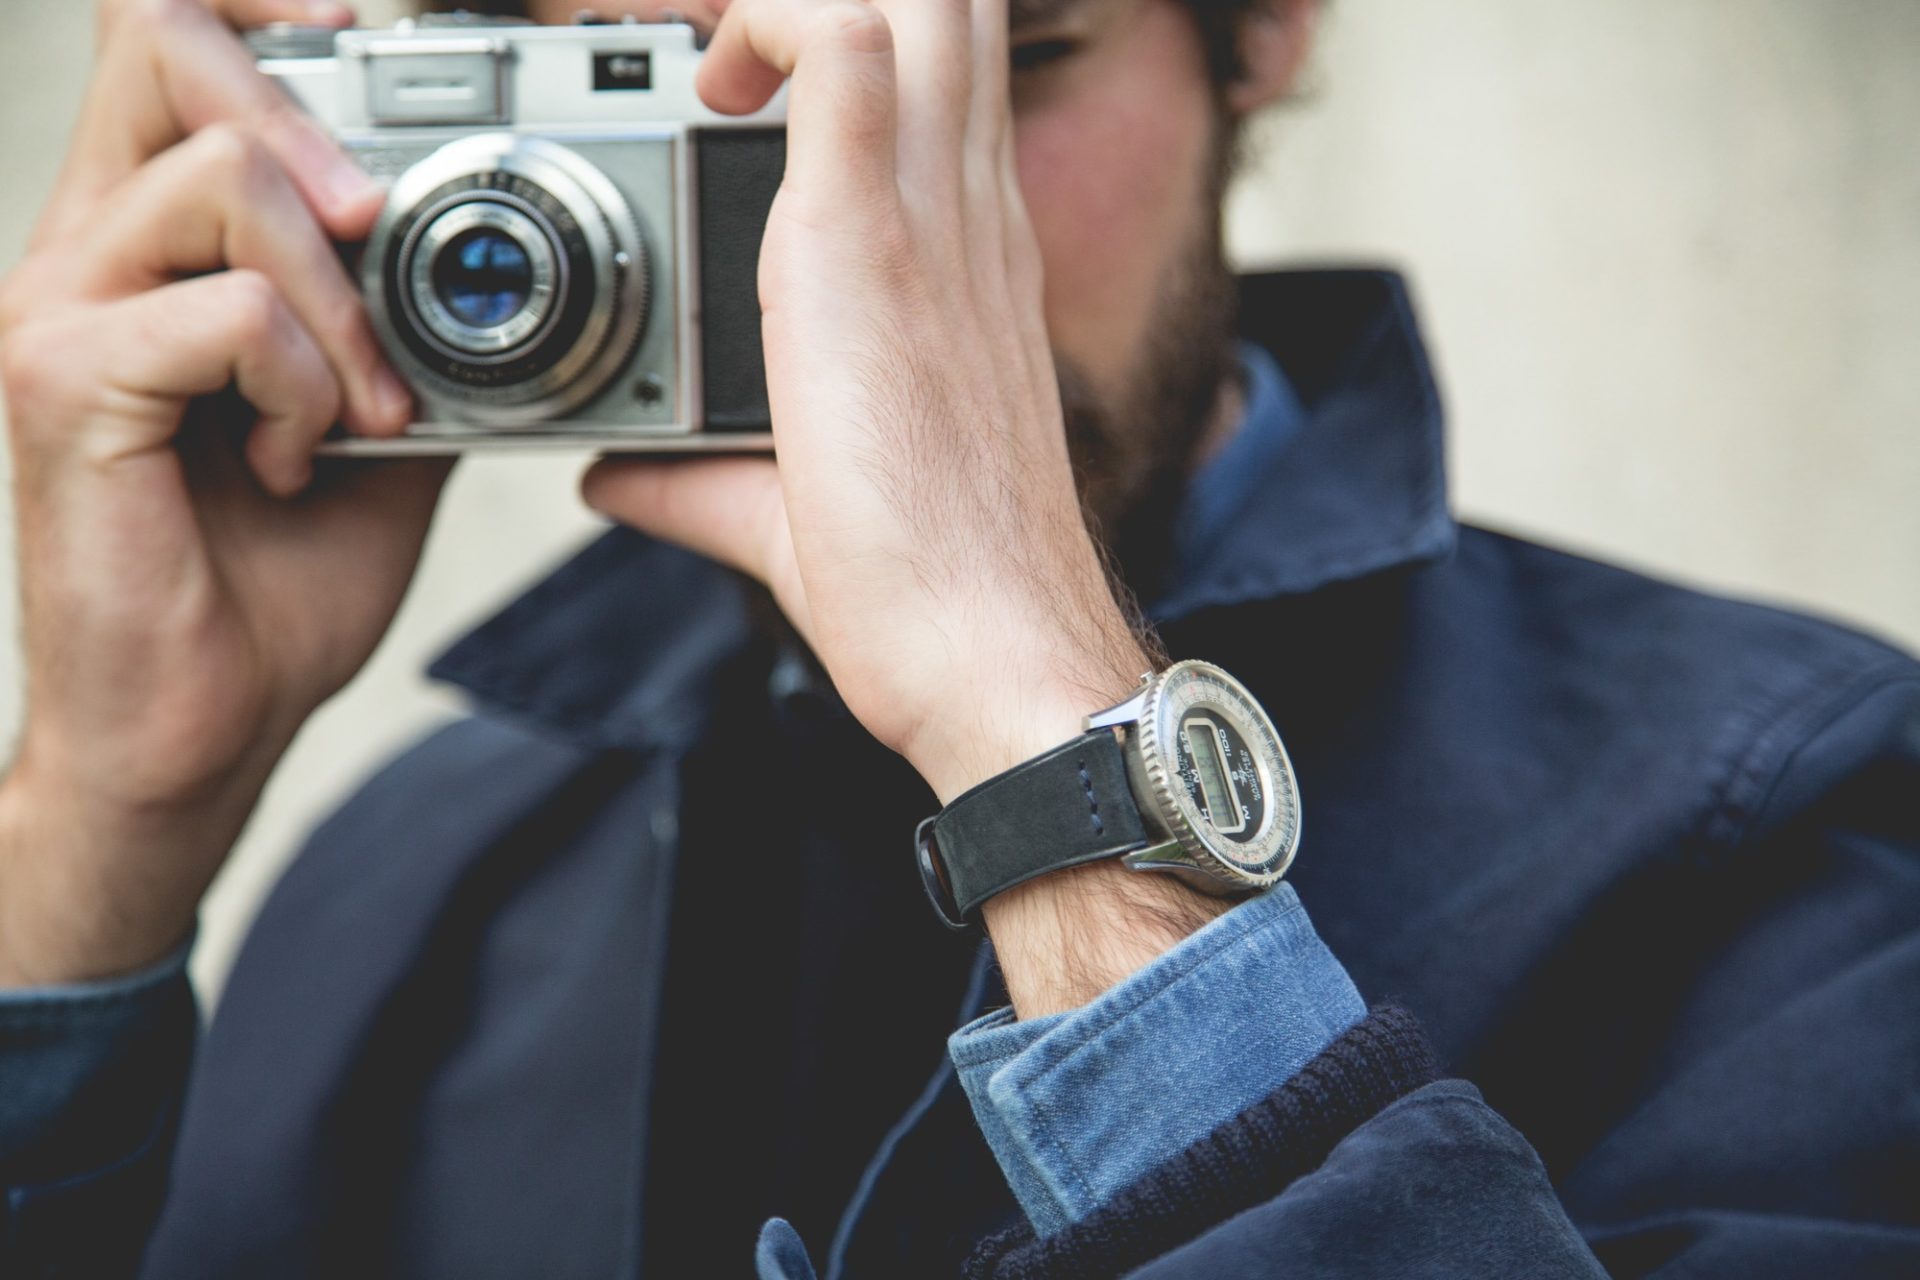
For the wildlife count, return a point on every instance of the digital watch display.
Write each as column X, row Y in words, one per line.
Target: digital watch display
column 1208, row 764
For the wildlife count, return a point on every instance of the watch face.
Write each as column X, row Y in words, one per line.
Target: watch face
column 1221, row 771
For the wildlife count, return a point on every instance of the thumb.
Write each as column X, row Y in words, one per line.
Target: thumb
column 729, row 509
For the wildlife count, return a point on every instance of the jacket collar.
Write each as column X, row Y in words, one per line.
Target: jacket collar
column 622, row 645
column 1362, row 486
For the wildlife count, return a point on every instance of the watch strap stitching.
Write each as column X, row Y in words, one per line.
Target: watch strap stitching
column 1014, row 826
column 1093, row 800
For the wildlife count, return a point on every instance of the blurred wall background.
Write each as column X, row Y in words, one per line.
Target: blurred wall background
column 1667, row 253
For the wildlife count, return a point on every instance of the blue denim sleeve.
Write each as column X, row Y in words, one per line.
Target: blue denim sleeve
column 1077, row 1105
column 91, row 1078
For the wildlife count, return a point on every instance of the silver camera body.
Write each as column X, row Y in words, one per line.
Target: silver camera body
column 569, row 248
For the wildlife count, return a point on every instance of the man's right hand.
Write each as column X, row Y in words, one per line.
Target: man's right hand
column 192, row 586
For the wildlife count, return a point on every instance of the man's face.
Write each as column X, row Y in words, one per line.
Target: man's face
column 1121, row 141
column 1120, row 136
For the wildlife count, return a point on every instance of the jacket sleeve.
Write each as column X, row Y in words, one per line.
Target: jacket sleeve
column 1362, row 1164
column 1075, row 1105
column 91, row 1078
column 1776, row 1133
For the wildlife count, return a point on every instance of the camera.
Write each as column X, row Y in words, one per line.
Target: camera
column 569, row 248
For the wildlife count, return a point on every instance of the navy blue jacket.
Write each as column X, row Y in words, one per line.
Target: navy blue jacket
column 556, row 993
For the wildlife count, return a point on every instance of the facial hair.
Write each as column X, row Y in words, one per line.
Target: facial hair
column 1133, row 452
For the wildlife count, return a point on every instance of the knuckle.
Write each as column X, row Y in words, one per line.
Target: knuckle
column 236, row 157
column 253, row 307
column 31, row 374
column 851, row 25
column 342, row 313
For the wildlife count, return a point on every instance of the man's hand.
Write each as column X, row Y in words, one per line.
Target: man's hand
column 191, row 586
column 922, row 529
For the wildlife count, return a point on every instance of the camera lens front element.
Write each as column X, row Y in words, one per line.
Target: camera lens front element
column 485, row 276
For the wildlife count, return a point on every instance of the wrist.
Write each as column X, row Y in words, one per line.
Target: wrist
column 1063, row 938
column 996, row 719
column 88, row 892
column 1066, row 937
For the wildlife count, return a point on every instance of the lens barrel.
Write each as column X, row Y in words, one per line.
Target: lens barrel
column 508, row 278
column 484, row 277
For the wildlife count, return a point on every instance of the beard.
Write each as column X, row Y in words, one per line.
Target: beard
column 1133, row 450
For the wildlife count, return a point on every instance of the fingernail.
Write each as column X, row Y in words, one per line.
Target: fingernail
column 327, row 13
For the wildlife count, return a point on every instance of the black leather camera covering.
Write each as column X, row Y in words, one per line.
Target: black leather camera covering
column 740, row 171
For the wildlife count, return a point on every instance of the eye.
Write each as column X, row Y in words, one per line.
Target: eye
column 1038, row 53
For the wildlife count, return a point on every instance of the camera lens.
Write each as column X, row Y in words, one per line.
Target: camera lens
column 508, row 278
column 484, row 278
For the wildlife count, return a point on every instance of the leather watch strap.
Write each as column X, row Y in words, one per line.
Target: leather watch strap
column 1069, row 806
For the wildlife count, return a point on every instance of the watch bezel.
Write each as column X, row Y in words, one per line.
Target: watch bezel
column 1168, row 799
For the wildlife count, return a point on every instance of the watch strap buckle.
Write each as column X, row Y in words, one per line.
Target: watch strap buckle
column 933, row 876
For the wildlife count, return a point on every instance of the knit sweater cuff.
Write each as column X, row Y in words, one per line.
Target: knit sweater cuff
column 1244, row 1162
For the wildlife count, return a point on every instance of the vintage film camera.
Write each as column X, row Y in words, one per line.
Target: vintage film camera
column 569, row 247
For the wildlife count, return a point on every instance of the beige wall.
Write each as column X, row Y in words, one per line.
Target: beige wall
column 1668, row 252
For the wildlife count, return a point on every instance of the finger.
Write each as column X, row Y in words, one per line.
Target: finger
column 742, row 70
column 698, row 14
column 841, row 105
column 727, row 509
column 243, row 14
column 989, row 110
column 171, row 67
column 258, row 13
column 220, row 199
column 934, row 64
column 195, row 338
column 986, row 147
column 934, row 67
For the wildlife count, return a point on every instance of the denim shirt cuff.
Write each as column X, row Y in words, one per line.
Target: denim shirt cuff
column 86, row 1068
column 1077, row 1105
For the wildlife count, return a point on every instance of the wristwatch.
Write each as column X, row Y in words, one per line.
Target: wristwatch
column 1187, row 776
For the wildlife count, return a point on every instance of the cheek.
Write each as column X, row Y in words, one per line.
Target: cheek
column 1114, row 178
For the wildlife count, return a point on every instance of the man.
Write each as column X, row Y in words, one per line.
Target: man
column 600, row 980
